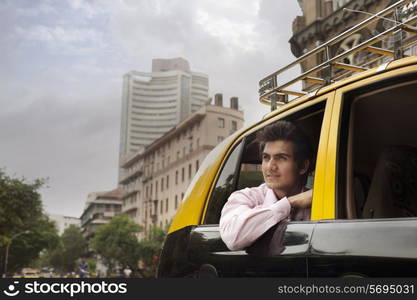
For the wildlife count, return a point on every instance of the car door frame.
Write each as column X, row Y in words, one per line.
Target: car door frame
column 360, row 247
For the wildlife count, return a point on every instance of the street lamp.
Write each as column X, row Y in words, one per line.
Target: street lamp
column 7, row 250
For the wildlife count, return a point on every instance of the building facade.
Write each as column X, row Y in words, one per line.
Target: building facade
column 100, row 207
column 323, row 20
column 153, row 103
column 156, row 179
column 63, row 222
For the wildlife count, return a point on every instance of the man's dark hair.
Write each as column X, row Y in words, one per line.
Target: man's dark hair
column 288, row 131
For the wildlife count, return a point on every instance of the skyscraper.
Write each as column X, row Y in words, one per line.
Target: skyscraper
column 155, row 102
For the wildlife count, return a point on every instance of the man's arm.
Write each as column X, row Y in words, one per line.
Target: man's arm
column 301, row 200
column 243, row 221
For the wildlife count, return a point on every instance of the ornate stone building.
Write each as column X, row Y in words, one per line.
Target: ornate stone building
column 323, row 20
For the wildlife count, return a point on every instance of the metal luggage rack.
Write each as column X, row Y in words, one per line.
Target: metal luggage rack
column 270, row 93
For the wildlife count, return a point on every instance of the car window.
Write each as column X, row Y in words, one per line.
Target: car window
column 377, row 158
column 224, row 186
column 243, row 167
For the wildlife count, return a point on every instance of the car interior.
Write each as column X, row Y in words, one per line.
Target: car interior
column 381, row 169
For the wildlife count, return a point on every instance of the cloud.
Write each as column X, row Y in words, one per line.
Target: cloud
column 62, row 67
column 237, row 31
column 75, row 146
column 59, row 40
column 235, row 42
column 90, row 8
column 44, row 7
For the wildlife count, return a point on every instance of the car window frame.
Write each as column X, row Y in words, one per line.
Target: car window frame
column 327, row 99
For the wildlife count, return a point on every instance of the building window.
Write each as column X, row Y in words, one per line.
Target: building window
column 162, row 206
column 151, row 189
column 189, row 171
column 167, row 181
column 176, row 201
column 166, row 205
column 197, row 165
column 178, row 155
column 162, row 184
column 234, row 126
column 182, row 196
column 156, row 187
column 183, row 174
column 220, row 122
column 176, row 177
column 220, row 139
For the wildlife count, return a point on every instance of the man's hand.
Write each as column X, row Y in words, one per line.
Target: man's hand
column 302, row 200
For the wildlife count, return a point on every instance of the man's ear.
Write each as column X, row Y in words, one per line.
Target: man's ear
column 304, row 167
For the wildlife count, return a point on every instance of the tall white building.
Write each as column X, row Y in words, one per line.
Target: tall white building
column 155, row 102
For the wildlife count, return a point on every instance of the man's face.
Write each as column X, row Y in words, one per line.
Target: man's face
column 279, row 168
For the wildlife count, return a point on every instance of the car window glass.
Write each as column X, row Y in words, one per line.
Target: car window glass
column 224, row 186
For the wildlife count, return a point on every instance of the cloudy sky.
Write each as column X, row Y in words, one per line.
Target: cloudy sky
column 61, row 72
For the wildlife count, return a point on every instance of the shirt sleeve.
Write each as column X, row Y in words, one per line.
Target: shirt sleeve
column 243, row 220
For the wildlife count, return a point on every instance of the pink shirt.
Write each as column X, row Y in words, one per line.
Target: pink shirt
column 250, row 212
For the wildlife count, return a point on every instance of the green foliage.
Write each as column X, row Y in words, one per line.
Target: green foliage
column 74, row 247
column 20, row 211
column 150, row 249
column 92, row 266
column 65, row 255
column 55, row 258
column 117, row 244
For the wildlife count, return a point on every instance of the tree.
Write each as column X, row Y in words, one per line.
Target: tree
column 64, row 257
column 55, row 259
column 74, row 247
column 150, row 249
column 117, row 244
column 21, row 211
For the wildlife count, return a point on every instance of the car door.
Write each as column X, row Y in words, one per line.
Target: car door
column 280, row 252
column 364, row 248
column 374, row 158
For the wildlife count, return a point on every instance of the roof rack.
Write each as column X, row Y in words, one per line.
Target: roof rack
column 274, row 94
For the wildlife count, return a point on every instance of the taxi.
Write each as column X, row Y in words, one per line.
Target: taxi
column 363, row 129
